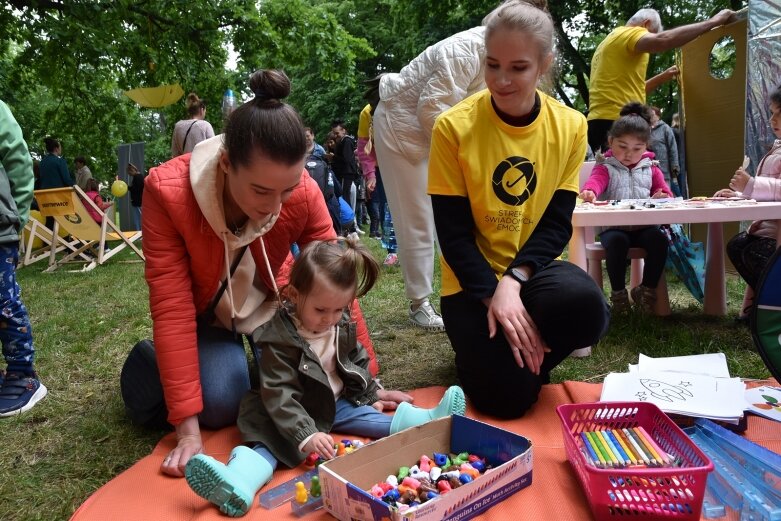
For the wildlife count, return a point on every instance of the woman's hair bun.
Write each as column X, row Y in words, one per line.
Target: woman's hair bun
column 193, row 101
column 269, row 84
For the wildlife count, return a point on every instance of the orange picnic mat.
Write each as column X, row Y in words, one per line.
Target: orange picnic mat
column 143, row 493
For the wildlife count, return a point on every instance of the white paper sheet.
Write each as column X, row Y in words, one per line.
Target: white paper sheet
column 679, row 393
column 711, row 364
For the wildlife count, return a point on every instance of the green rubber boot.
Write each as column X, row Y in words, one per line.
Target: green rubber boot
column 407, row 415
column 231, row 487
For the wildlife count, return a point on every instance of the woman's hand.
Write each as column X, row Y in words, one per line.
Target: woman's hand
column 507, row 310
column 739, row 180
column 390, row 400
column 726, row 192
column 188, row 435
column 322, row 444
column 371, row 184
column 587, row 196
column 660, row 194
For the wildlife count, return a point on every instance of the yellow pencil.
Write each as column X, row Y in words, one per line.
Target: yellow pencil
column 600, row 437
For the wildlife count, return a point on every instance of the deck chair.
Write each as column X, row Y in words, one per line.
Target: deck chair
column 36, row 242
column 68, row 206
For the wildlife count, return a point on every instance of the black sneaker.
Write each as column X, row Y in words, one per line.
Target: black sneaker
column 19, row 393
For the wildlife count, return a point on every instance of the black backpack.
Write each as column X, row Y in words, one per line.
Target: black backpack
column 324, row 177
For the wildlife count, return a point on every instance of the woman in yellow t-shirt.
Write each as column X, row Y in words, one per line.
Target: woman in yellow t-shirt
column 503, row 179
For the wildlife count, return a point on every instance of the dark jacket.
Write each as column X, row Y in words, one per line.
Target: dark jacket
column 343, row 163
column 296, row 399
column 136, row 189
column 54, row 172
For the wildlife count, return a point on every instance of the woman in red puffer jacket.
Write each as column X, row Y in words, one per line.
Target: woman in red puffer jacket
column 218, row 226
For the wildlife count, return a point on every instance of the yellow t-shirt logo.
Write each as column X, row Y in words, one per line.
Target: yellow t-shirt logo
column 514, row 180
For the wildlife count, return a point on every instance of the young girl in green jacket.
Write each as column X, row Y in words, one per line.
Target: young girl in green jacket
column 314, row 378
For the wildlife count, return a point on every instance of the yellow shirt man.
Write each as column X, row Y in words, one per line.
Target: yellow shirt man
column 508, row 173
column 617, row 73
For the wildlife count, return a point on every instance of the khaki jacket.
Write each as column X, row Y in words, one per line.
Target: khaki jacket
column 295, row 399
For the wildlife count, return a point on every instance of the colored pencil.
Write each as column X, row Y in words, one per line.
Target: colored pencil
column 613, row 449
column 652, row 454
column 637, row 447
column 590, row 450
column 637, row 458
column 608, row 451
column 644, row 445
column 610, row 436
column 603, row 458
column 660, row 455
column 620, row 439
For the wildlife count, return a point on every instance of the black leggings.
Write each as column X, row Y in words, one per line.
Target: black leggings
column 749, row 254
column 570, row 312
column 617, row 244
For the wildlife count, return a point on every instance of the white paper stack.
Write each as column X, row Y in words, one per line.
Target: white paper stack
column 696, row 385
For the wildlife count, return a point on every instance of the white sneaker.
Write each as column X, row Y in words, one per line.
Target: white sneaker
column 426, row 317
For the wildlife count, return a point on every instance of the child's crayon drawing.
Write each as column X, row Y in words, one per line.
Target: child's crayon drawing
column 765, row 401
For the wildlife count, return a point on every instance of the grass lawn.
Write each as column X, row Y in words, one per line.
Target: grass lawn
column 57, row 454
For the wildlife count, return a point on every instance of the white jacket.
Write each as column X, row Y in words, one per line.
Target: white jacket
column 438, row 78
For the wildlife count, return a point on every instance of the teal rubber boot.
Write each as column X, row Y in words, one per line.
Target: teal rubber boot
column 407, row 415
column 231, row 487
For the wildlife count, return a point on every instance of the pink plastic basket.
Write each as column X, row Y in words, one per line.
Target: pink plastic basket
column 652, row 492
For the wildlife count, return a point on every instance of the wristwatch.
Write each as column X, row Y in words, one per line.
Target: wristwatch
column 518, row 275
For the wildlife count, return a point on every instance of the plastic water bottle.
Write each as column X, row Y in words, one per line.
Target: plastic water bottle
column 228, row 103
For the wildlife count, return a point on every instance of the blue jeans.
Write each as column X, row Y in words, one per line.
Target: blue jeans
column 15, row 330
column 135, row 213
column 224, row 380
column 224, row 376
column 362, row 420
column 377, row 204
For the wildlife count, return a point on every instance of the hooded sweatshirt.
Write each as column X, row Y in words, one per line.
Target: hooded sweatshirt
column 243, row 306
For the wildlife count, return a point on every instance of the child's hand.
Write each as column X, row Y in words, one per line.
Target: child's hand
column 587, row 196
column 390, row 400
column 739, row 180
column 322, row 444
column 660, row 194
column 726, row 192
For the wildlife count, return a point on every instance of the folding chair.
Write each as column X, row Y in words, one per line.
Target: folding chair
column 67, row 206
column 36, row 241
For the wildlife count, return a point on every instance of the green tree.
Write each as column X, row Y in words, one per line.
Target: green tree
column 68, row 63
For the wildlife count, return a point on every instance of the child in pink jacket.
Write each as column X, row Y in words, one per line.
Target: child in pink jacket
column 629, row 172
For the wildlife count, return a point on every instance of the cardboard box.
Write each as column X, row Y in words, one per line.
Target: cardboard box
column 345, row 480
